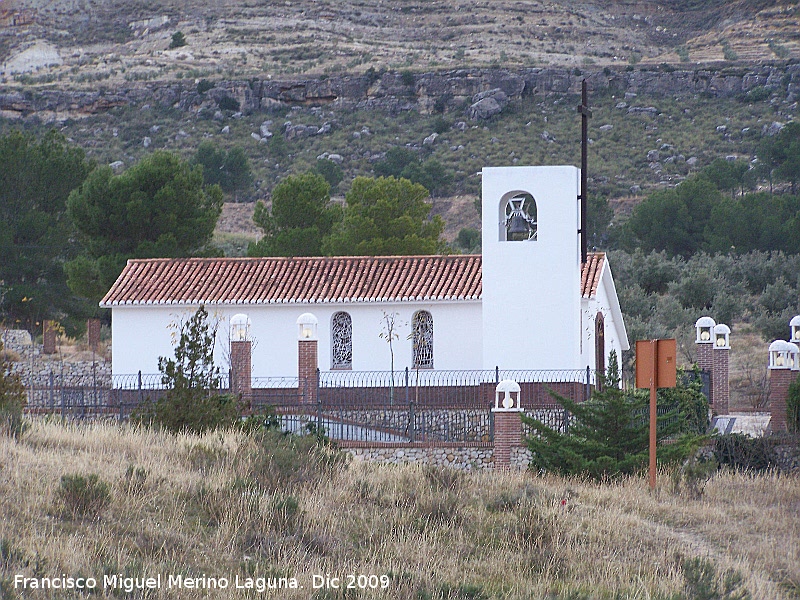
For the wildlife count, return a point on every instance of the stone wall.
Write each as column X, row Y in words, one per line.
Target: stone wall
column 467, row 458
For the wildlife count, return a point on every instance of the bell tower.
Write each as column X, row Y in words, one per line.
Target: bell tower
column 531, row 268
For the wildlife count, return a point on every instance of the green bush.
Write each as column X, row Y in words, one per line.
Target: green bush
column 178, row 40
column 12, row 399
column 704, row 583
column 741, row 452
column 83, row 496
column 793, row 407
column 228, row 103
column 281, row 461
column 203, row 86
column 192, row 401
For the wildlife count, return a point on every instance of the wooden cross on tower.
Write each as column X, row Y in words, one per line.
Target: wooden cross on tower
column 583, row 109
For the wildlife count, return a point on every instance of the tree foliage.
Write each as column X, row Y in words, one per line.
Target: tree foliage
column 230, row 170
column 406, row 163
column 192, row 401
column 35, row 180
column 607, row 436
column 781, row 155
column 299, row 220
column 385, row 216
column 674, row 219
column 157, row 208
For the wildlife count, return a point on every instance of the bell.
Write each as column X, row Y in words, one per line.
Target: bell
column 518, row 228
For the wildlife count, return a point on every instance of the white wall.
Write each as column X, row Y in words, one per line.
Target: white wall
column 142, row 333
column 531, row 289
column 615, row 336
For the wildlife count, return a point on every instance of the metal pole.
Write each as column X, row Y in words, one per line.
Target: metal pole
column 653, row 414
column 588, row 384
column 585, row 113
column 319, row 403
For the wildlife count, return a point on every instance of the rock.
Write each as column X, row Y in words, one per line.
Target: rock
column 722, row 128
column 773, row 129
column 621, row 105
column 146, row 142
column 226, row 129
column 428, row 141
column 264, row 129
column 218, row 116
column 630, row 95
column 356, row 135
column 651, row 111
column 461, row 126
column 155, row 128
column 606, row 127
column 692, row 161
column 326, row 128
column 484, row 109
column 653, row 155
column 337, row 158
column 636, row 189
column 547, row 137
column 731, row 157
column 117, row 165
column 255, row 136
column 499, row 96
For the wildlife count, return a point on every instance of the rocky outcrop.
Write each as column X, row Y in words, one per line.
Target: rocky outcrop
column 424, row 92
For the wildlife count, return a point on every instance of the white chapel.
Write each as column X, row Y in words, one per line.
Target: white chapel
column 527, row 303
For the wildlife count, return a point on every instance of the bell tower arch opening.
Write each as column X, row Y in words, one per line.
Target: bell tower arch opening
column 518, row 217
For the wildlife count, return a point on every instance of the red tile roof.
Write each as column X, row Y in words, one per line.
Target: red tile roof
column 591, row 272
column 276, row 280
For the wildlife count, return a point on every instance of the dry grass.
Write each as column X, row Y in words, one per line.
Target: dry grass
column 208, row 505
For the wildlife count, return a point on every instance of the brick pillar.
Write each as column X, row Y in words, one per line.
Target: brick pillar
column 49, row 337
column 719, row 381
column 507, row 435
column 705, row 361
column 307, row 365
column 241, row 370
column 779, row 382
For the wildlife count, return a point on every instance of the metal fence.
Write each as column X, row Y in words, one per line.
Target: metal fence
column 352, row 406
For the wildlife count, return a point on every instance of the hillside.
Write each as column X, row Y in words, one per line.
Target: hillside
column 81, row 42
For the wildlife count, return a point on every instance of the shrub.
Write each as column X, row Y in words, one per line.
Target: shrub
column 704, row 583
column 12, row 400
column 83, row 496
column 739, row 451
column 203, row 86
column 192, row 401
column 178, row 40
column 280, row 461
column 793, row 407
column 228, row 103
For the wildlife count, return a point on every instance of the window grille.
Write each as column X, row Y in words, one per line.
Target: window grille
column 423, row 340
column 341, row 341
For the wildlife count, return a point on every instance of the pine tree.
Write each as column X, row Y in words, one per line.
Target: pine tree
column 607, row 436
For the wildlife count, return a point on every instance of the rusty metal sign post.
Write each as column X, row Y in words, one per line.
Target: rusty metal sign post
column 655, row 368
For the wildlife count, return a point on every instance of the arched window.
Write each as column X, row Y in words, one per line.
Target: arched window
column 600, row 347
column 341, row 341
column 422, row 329
column 518, row 218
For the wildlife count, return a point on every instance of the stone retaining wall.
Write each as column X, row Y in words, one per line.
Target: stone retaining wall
column 468, row 458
